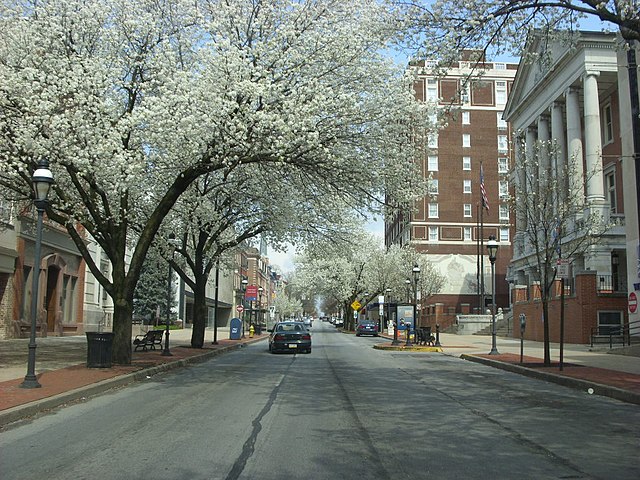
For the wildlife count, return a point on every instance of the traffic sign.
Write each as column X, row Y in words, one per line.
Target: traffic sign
column 239, row 309
column 633, row 302
column 356, row 305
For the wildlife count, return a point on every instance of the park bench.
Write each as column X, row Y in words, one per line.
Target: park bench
column 424, row 336
column 149, row 340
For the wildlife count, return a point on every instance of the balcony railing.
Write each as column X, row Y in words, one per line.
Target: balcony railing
column 611, row 284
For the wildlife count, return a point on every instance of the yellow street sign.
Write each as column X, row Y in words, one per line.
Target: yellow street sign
column 356, row 305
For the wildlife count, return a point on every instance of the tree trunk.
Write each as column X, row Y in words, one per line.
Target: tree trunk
column 200, row 312
column 545, row 327
column 121, row 349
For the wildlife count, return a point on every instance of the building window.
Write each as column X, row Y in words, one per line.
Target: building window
column 433, row 210
column 466, row 140
column 466, row 118
column 503, row 146
column 607, row 124
column 432, row 163
column 433, row 186
column 464, row 94
column 433, row 234
column 503, row 165
column 466, row 186
column 467, row 210
column 432, row 89
column 502, row 124
column 466, row 163
column 608, row 322
column 5, row 211
column 467, row 234
column 504, row 234
column 610, row 182
column 503, row 188
column 503, row 213
column 501, row 92
column 433, row 140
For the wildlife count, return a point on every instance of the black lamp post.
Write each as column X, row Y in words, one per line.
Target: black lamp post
column 390, row 320
column 244, row 282
column 42, row 179
column 492, row 246
column 165, row 351
column 416, row 274
column 407, row 326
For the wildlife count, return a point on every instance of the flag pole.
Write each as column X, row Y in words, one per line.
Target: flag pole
column 478, row 258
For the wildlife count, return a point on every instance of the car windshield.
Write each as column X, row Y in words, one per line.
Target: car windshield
column 290, row 327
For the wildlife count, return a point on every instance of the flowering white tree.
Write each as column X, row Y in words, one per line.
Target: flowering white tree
column 444, row 27
column 217, row 214
column 361, row 269
column 132, row 101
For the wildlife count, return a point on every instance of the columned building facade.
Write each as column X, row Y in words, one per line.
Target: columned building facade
column 567, row 100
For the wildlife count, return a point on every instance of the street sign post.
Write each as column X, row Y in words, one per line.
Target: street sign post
column 239, row 309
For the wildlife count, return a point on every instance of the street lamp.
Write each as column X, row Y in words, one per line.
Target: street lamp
column 408, row 327
column 244, row 282
column 492, row 246
column 416, row 273
column 42, row 179
column 165, row 351
column 390, row 320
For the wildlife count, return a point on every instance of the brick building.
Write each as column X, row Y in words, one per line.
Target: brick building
column 446, row 225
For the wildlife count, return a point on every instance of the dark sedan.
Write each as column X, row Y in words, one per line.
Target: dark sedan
column 290, row 337
column 367, row 328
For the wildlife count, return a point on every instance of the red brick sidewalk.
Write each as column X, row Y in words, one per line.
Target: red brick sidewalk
column 55, row 382
column 613, row 378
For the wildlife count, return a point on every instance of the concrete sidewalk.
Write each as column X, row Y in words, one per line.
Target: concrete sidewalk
column 62, row 372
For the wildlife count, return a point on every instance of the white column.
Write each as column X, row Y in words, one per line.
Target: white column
column 558, row 160
column 520, row 179
column 574, row 142
column 543, row 145
column 593, row 139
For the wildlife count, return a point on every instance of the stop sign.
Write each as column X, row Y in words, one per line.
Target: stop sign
column 633, row 302
column 239, row 309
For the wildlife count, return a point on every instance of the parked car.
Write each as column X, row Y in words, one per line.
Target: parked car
column 367, row 328
column 289, row 337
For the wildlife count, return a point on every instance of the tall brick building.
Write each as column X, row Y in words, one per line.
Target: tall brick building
column 445, row 225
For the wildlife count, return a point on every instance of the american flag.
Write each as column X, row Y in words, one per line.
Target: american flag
column 485, row 201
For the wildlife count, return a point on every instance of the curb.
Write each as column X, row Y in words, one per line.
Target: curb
column 404, row 348
column 575, row 383
column 19, row 412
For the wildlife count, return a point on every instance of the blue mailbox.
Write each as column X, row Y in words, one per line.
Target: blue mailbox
column 235, row 329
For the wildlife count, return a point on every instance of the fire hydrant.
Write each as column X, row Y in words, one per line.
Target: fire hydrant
column 251, row 331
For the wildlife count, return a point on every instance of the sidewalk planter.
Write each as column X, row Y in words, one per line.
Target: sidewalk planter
column 99, row 347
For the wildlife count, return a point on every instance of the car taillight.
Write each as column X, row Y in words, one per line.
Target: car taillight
column 306, row 336
column 278, row 336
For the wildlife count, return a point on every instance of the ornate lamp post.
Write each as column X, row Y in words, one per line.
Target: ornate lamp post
column 492, row 246
column 42, row 179
column 244, row 283
column 408, row 326
column 173, row 243
column 416, row 274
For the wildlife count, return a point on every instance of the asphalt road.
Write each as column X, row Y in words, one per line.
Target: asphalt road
column 345, row 411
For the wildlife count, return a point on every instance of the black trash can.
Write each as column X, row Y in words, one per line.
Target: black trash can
column 99, row 346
